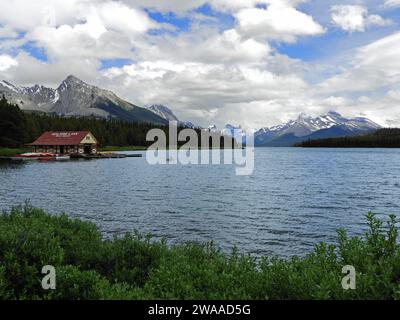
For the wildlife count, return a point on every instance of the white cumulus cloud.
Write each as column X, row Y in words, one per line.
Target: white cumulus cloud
column 392, row 3
column 278, row 21
column 7, row 62
column 353, row 18
column 223, row 65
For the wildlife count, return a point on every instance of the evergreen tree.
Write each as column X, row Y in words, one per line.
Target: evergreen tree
column 13, row 125
column 18, row 128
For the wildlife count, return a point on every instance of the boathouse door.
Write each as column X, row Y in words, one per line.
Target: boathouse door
column 62, row 150
column 88, row 149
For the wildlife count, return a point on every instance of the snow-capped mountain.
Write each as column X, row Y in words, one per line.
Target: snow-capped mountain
column 73, row 97
column 9, row 86
column 30, row 98
column 163, row 111
column 167, row 114
column 235, row 132
column 305, row 127
column 41, row 95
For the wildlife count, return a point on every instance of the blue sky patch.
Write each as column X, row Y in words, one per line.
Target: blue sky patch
column 115, row 63
column 35, row 51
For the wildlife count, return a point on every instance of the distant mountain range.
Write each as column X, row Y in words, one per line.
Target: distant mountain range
column 304, row 128
column 73, row 97
column 308, row 128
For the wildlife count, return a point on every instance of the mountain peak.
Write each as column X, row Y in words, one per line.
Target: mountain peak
column 303, row 116
column 163, row 112
column 73, row 79
column 334, row 114
column 329, row 125
column 72, row 82
column 74, row 97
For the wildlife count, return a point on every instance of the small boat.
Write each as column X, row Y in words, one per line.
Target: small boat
column 31, row 156
column 61, row 157
column 42, row 156
column 55, row 157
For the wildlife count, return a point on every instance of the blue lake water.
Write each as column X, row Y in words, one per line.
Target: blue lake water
column 295, row 198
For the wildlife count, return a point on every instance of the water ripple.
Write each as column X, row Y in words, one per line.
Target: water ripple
column 295, row 199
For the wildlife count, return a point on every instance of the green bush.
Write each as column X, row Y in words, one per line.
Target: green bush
column 27, row 243
column 135, row 267
column 4, row 294
column 128, row 259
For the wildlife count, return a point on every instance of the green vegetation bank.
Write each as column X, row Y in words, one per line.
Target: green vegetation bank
column 135, row 267
column 18, row 128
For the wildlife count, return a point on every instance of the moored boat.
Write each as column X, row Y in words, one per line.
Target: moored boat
column 30, row 156
column 60, row 157
column 42, row 156
column 55, row 157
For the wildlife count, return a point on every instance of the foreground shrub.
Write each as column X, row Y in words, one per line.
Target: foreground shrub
column 135, row 267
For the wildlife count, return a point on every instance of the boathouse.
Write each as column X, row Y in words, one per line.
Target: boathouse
column 66, row 142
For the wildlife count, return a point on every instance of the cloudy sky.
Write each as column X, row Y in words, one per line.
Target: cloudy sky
column 248, row 62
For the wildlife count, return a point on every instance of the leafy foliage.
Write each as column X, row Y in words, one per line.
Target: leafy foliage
column 136, row 267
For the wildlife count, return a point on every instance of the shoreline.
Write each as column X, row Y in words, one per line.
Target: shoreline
column 10, row 152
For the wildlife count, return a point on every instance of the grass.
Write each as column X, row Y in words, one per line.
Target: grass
column 9, row 152
column 135, row 267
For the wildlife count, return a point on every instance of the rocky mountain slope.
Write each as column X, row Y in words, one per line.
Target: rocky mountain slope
column 73, row 97
column 305, row 127
column 167, row 114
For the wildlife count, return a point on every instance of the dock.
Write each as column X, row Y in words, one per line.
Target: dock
column 105, row 156
column 82, row 157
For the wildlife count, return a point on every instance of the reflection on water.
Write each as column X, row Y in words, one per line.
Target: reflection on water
column 295, row 198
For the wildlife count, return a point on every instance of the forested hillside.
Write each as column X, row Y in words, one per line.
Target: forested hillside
column 18, row 128
column 382, row 138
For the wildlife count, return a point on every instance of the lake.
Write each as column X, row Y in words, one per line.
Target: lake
column 295, row 198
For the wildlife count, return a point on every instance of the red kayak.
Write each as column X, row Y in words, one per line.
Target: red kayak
column 35, row 156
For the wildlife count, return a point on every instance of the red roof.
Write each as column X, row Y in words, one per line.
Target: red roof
column 60, row 138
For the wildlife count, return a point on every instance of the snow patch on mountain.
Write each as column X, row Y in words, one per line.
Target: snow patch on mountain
column 167, row 114
column 305, row 125
column 163, row 111
column 74, row 97
column 10, row 86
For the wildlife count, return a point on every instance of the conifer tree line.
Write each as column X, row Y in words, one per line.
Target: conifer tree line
column 18, row 128
column 382, row 138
